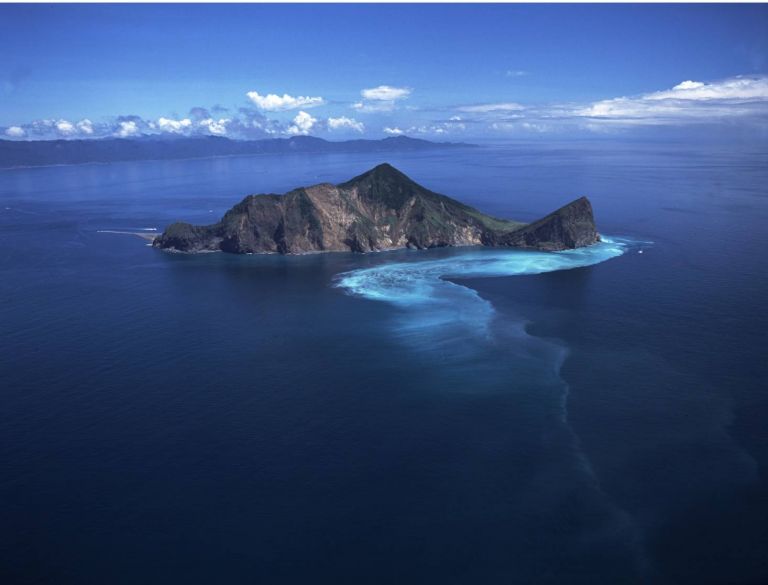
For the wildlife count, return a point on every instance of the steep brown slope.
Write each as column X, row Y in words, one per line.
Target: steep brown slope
column 379, row 210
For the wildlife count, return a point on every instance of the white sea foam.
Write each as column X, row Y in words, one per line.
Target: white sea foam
column 439, row 314
column 147, row 235
column 423, row 282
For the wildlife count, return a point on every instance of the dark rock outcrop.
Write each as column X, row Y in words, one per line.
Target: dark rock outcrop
column 571, row 226
column 381, row 209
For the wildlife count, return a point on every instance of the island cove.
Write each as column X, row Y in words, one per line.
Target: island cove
column 381, row 209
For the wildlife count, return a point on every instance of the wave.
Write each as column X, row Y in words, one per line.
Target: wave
column 144, row 233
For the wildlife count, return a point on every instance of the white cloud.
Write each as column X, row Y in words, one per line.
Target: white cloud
column 302, row 124
column 385, row 93
column 520, row 126
column 126, row 129
column 64, row 127
column 688, row 85
column 367, row 107
column 499, row 107
column 742, row 99
column 515, row 73
column 174, row 126
column 736, row 88
column 381, row 99
column 216, row 127
column 344, row 123
column 736, row 100
column 437, row 128
column 418, row 130
column 85, row 126
column 689, row 101
column 275, row 103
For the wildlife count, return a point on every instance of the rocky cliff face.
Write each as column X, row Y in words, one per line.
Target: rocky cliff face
column 571, row 226
column 379, row 210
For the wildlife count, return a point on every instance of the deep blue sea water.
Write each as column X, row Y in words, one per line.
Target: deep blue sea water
column 450, row 416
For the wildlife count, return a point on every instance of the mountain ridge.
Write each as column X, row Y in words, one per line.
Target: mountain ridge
column 31, row 153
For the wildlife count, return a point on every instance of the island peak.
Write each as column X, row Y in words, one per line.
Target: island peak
column 381, row 209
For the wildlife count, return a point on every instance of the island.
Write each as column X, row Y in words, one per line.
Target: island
column 381, row 209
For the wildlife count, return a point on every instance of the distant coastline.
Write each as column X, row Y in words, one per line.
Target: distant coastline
column 15, row 154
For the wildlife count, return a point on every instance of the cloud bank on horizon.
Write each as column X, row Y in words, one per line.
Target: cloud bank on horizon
column 384, row 111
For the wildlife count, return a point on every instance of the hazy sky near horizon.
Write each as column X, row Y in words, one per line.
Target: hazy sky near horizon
column 448, row 71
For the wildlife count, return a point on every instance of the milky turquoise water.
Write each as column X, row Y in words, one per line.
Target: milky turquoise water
column 441, row 416
column 425, row 287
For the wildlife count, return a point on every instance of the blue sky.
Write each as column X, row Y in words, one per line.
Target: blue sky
column 338, row 71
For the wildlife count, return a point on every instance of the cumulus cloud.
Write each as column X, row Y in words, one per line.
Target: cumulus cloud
column 344, row 123
column 174, row 126
column 438, row 127
column 129, row 126
column 199, row 122
column 51, row 128
column 46, row 128
column 393, row 131
column 15, row 132
column 127, row 129
column 65, row 127
column 381, row 99
column 85, row 126
column 215, row 127
column 385, row 93
column 275, row 103
column 302, row 124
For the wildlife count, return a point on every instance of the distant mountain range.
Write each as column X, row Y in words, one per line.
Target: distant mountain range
column 14, row 153
column 381, row 209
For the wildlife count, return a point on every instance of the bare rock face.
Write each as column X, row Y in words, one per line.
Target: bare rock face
column 381, row 209
column 571, row 226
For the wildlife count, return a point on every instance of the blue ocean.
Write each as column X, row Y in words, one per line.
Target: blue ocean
column 453, row 416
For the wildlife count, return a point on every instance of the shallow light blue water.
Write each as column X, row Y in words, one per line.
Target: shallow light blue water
column 445, row 416
column 423, row 285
